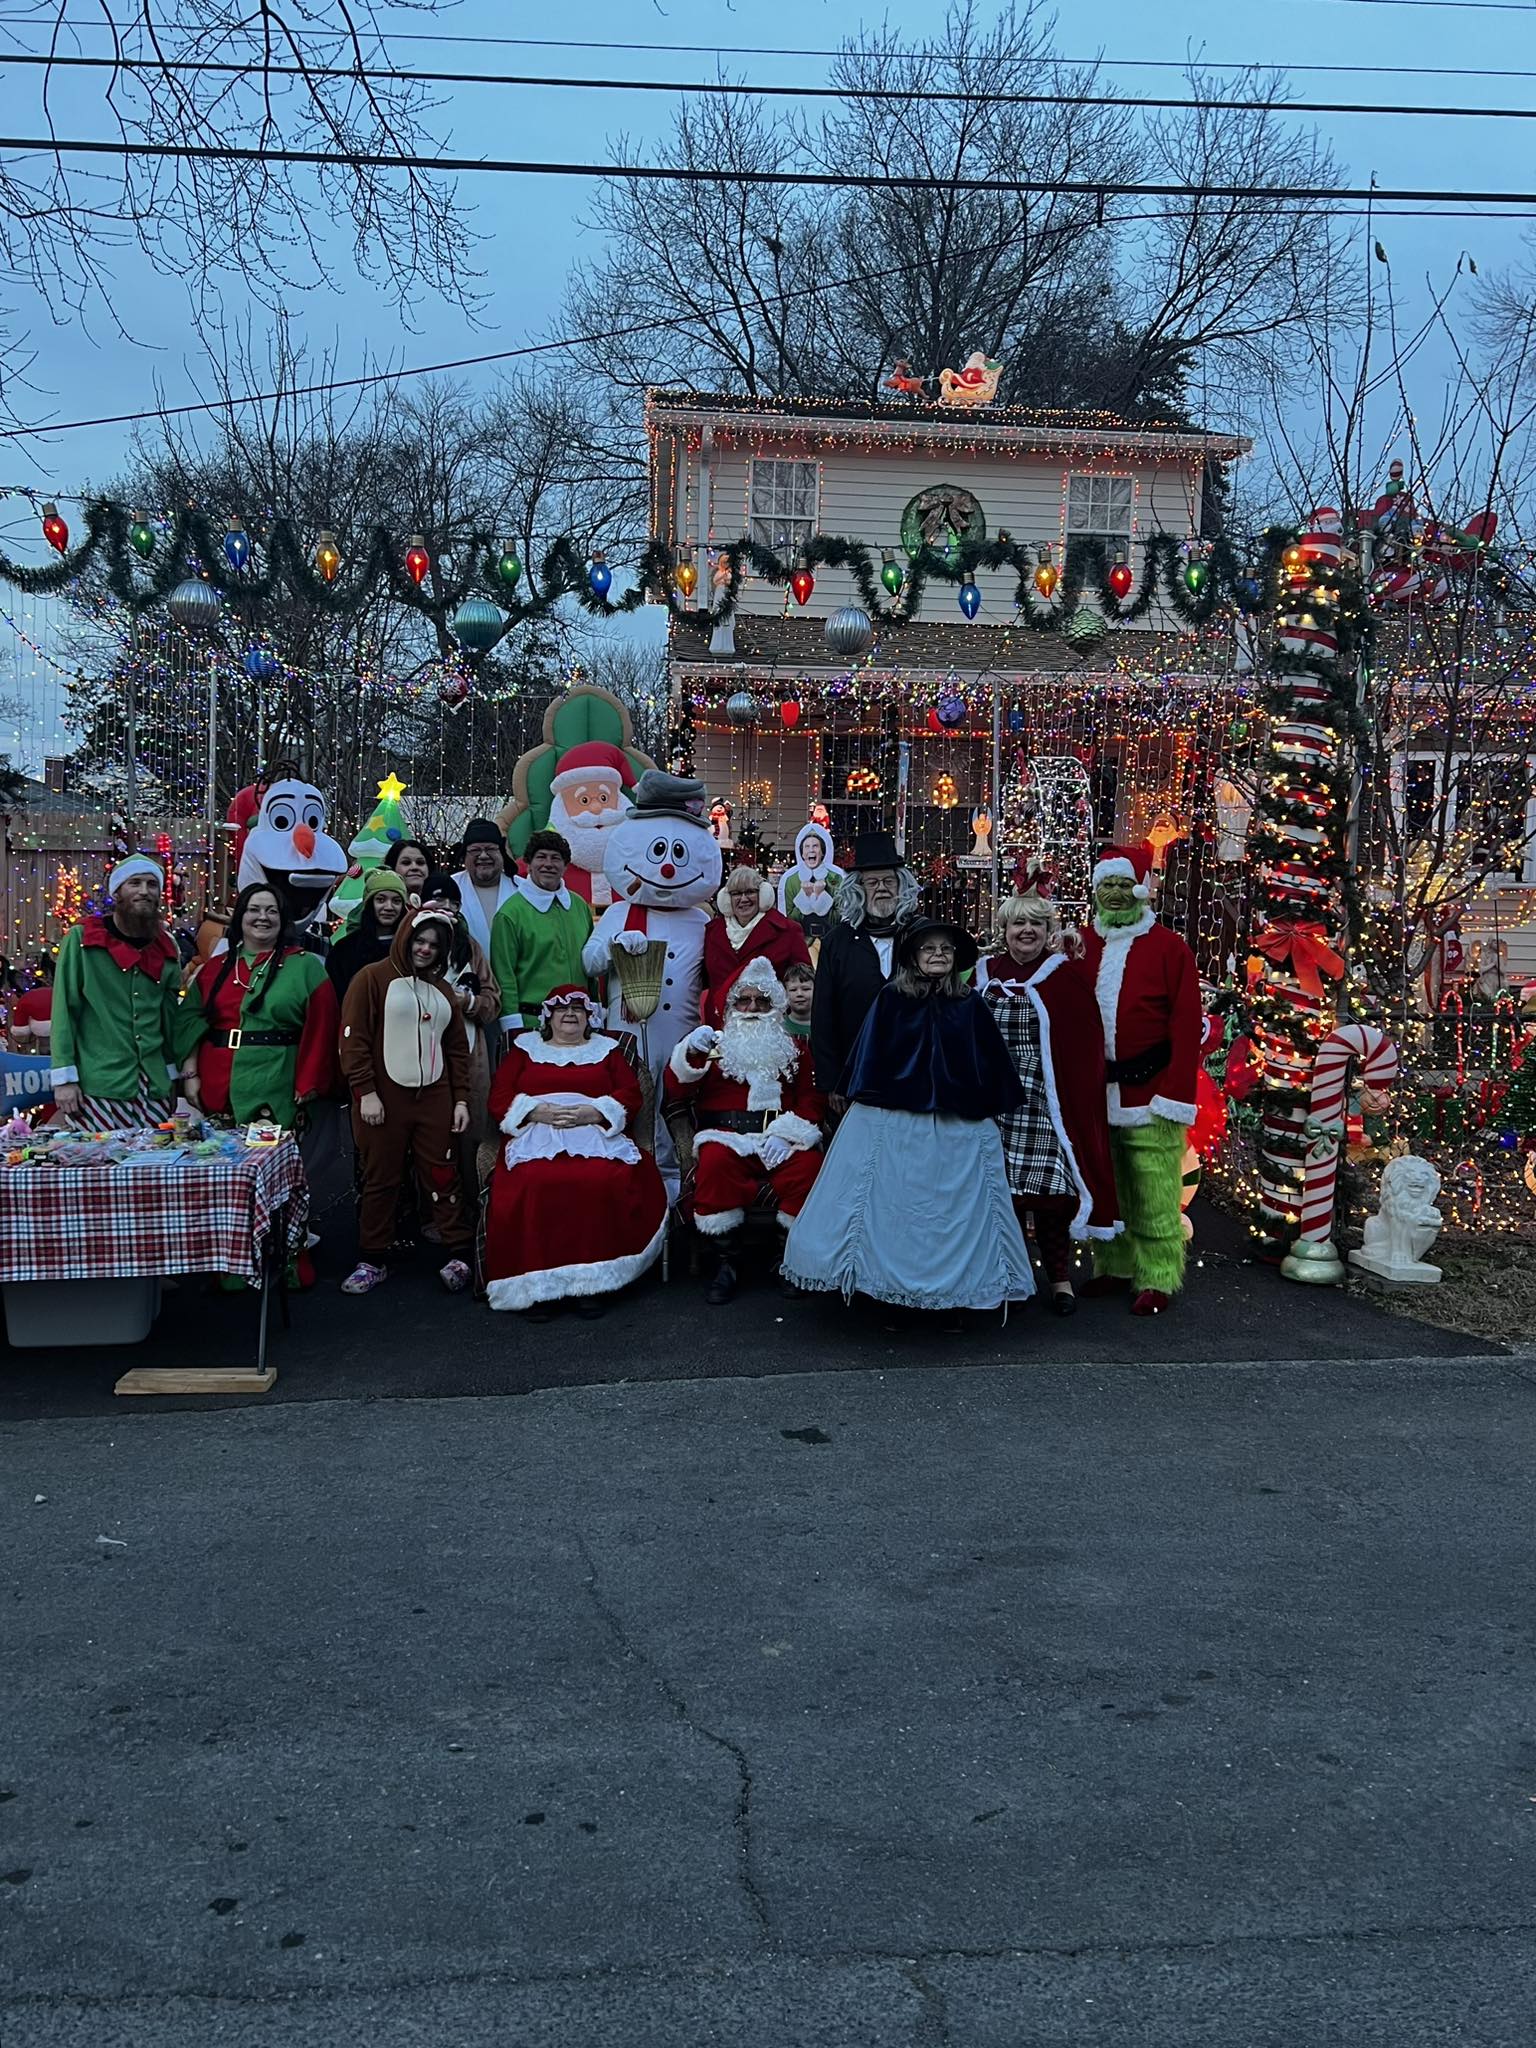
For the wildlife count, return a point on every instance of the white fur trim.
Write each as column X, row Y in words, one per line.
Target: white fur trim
column 719, row 1222
column 519, row 1109
column 1122, row 934
column 598, row 1276
column 1078, row 1227
column 134, row 864
column 681, row 1065
column 798, row 1131
column 614, row 1113
column 759, row 974
column 1118, row 865
column 1173, row 1112
column 743, row 1143
column 544, row 1053
column 1120, row 1116
column 784, row 1220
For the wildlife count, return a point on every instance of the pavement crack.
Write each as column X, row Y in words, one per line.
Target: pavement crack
column 933, row 2022
column 742, row 1816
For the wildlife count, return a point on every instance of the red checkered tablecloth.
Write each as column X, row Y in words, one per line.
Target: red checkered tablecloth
column 134, row 1222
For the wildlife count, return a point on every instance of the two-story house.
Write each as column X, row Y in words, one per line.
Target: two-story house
column 944, row 715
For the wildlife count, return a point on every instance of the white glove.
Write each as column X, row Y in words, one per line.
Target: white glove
column 701, row 1042
column 630, row 942
column 773, row 1152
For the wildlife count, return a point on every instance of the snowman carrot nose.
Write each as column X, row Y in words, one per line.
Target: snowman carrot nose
column 304, row 840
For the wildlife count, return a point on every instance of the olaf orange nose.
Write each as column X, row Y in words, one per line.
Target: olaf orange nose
column 304, row 840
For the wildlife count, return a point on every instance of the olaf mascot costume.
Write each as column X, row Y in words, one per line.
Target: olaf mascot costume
column 663, row 866
column 289, row 847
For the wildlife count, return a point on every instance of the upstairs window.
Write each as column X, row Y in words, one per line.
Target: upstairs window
column 784, row 502
column 1099, row 508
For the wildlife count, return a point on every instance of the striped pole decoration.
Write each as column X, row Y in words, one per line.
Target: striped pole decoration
column 1367, row 1050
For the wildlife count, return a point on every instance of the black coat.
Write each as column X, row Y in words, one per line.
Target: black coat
column 848, row 978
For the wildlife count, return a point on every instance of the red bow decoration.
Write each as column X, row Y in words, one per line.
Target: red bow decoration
column 1306, row 948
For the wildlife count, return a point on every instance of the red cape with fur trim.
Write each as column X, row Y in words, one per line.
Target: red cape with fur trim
column 1072, row 1053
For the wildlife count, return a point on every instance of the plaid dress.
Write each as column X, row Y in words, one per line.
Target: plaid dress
column 1032, row 1154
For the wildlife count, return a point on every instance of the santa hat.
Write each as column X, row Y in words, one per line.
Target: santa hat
column 1134, row 863
column 135, row 864
column 758, row 974
column 562, row 998
column 579, row 764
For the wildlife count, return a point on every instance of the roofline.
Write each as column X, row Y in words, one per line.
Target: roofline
column 729, row 423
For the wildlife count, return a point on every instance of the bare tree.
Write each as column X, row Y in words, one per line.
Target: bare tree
column 196, row 74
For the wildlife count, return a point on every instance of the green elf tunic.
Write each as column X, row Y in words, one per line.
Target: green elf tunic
column 536, row 941
column 287, row 1024
column 114, row 1013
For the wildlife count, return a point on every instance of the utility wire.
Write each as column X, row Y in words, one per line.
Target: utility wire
column 722, row 88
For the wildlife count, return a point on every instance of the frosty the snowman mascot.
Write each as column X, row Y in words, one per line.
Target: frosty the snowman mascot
column 663, row 866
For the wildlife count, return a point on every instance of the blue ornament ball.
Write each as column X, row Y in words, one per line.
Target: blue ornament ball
column 1509, row 1140
column 951, row 710
column 261, row 664
column 1249, row 592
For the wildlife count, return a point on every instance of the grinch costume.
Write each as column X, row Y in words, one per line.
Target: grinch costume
column 536, row 942
column 1148, row 990
column 265, row 1037
column 114, row 1016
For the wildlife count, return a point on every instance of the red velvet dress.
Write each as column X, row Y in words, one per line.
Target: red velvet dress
column 571, row 1212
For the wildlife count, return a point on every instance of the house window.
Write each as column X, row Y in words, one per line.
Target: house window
column 1099, row 508
column 784, row 505
column 1493, row 811
column 1419, row 796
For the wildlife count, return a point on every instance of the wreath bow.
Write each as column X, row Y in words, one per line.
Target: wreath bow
column 1305, row 948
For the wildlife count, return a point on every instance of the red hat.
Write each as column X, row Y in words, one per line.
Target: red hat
column 578, row 764
column 1133, row 862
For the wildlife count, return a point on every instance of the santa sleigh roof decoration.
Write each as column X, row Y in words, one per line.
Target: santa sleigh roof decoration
column 1420, row 561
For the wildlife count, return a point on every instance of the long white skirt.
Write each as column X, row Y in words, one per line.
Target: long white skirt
column 912, row 1209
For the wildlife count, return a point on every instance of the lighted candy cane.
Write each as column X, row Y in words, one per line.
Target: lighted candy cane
column 1313, row 1258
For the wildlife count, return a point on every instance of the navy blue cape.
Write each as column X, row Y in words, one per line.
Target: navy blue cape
column 936, row 1054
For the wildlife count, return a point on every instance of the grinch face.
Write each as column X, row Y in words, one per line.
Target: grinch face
column 1116, row 901
column 664, row 863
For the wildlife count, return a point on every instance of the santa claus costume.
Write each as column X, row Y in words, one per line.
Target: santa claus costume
column 1148, row 990
column 575, row 1211
column 588, row 796
column 758, row 1110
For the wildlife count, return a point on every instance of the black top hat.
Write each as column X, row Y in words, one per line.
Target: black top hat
column 875, row 850
column 912, row 935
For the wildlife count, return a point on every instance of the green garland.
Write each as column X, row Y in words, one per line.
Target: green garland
column 289, row 572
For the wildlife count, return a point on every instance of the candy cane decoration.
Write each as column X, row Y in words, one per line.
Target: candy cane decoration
column 1368, row 1049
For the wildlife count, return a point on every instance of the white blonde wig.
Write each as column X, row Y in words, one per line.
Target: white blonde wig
column 736, row 879
column 1036, row 909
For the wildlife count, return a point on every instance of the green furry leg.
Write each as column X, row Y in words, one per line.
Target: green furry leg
column 1149, row 1173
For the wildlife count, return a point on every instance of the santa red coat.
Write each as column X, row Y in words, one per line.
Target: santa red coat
column 1072, row 1063
column 1148, row 990
column 728, row 1167
column 771, row 936
column 571, row 1212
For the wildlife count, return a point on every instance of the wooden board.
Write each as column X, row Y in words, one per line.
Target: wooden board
column 214, row 1379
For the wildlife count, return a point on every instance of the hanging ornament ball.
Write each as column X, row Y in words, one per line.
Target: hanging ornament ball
column 599, row 575
column 741, row 708
column 141, row 537
column 477, row 624
column 970, row 599
column 1120, row 580
column 417, row 560
column 509, row 568
column 789, row 714
column 55, row 531
column 848, row 631
column 1015, row 720
column 1249, row 592
column 1196, row 577
column 194, row 605
column 453, row 691
column 1509, row 1140
column 951, row 710
column 1085, row 627
column 237, row 547
column 261, row 664
column 893, row 576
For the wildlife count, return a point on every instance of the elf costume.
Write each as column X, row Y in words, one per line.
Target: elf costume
column 1148, row 989
column 114, row 1016
column 536, row 941
column 264, row 1034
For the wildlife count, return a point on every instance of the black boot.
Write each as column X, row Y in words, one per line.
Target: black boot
column 722, row 1288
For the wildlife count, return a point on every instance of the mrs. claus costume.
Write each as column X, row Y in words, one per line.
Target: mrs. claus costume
column 1148, row 989
column 572, row 1212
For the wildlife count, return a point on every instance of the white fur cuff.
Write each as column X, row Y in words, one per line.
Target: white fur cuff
column 719, row 1222
column 1173, row 1112
column 798, row 1131
column 614, row 1114
column 522, row 1107
column 683, row 1068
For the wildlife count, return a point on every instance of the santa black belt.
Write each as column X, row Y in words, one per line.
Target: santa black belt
column 749, row 1123
column 231, row 1041
column 1137, row 1067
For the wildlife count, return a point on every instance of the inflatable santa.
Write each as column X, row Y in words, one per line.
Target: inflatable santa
column 588, row 797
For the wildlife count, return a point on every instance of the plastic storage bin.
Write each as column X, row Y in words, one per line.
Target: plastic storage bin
column 63, row 1312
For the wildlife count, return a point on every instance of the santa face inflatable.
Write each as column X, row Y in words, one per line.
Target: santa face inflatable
column 289, row 847
column 587, row 801
column 663, row 867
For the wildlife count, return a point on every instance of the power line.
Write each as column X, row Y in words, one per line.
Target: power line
column 721, row 88
column 1081, row 188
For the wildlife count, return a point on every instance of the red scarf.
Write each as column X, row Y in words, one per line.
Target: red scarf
column 153, row 957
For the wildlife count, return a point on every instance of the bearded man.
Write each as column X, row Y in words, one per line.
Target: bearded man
column 587, row 798
column 877, row 899
column 482, row 881
column 1148, row 989
column 758, row 1113
column 115, row 992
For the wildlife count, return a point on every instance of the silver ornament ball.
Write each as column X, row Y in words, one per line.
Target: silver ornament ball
column 741, row 708
column 848, row 631
column 194, row 605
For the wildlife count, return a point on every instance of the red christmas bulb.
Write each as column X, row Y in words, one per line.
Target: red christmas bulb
column 1121, row 579
column 55, row 532
column 802, row 583
column 417, row 560
column 789, row 714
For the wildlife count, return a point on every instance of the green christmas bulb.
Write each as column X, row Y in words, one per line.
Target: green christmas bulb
column 892, row 577
column 142, row 535
column 509, row 568
column 1194, row 577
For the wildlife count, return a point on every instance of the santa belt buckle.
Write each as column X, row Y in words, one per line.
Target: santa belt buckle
column 1138, row 1067
column 233, row 1040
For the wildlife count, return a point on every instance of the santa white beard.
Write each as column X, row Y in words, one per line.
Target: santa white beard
column 759, row 1051
column 584, row 831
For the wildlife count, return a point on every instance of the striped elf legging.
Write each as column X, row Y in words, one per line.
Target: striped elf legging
column 96, row 1113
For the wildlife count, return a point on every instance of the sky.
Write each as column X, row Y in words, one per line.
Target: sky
column 534, row 226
